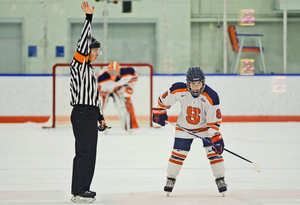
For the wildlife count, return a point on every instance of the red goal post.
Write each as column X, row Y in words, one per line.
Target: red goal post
column 55, row 68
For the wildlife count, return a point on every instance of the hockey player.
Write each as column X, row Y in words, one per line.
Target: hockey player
column 118, row 82
column 200, row 114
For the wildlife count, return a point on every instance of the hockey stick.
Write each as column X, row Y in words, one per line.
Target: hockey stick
column 256, row 167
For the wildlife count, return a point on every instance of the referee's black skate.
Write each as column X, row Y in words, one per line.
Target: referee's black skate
column 93, row 192
column 222, row 186
column 85, row 198
column 169, row 185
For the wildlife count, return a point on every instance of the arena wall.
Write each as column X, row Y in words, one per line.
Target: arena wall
column 258, row 98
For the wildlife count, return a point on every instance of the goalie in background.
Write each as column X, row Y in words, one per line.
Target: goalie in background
column 118, row 82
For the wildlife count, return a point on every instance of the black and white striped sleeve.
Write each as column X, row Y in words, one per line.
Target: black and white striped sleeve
column 83, row 85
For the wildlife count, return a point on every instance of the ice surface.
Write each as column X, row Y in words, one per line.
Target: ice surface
column 36, row 166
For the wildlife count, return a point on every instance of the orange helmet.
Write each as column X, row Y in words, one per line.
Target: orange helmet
column 113, row 70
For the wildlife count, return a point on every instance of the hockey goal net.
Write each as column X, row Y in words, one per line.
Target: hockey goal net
column 141, row 98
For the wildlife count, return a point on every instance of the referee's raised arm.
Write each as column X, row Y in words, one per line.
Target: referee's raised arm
column 82, row 46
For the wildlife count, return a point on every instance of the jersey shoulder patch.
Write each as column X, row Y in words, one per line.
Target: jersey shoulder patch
column 211, row 95
column 103, row 77
column 178, row 87
column 127, row 70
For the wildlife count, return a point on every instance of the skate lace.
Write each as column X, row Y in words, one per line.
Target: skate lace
column 221, row 183
column 170, row 183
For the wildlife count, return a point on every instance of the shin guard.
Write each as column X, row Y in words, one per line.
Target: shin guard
column 175, row 162
column 129, row 106
column 216, row 162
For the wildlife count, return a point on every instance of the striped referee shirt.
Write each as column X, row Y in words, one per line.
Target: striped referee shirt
column 83, row 84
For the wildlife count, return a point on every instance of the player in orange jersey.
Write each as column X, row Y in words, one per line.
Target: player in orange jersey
column 200, row 113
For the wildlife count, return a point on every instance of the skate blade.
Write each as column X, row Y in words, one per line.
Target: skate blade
column 82, row 200
column 168, row 193
column 223, row 193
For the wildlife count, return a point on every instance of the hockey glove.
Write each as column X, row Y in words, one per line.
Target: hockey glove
column 125, row 90
column 159, row 116
column 218, row 143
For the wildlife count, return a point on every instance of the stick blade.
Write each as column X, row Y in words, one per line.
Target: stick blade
column 256, row 167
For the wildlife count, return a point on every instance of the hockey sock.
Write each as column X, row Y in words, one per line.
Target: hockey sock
column 216, row 162
column 175, row 162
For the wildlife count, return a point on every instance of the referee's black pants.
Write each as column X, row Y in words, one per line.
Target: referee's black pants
column 84, row 121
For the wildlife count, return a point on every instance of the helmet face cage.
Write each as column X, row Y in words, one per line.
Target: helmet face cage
column 114, row 70
column 195, row 74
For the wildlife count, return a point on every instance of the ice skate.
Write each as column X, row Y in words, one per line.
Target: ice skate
column 169, row 185
column 93, row 192
column 85, row 198
column 222, row 186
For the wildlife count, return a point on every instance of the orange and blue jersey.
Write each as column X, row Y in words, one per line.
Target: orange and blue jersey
column 128, row 77
column 199, row 115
